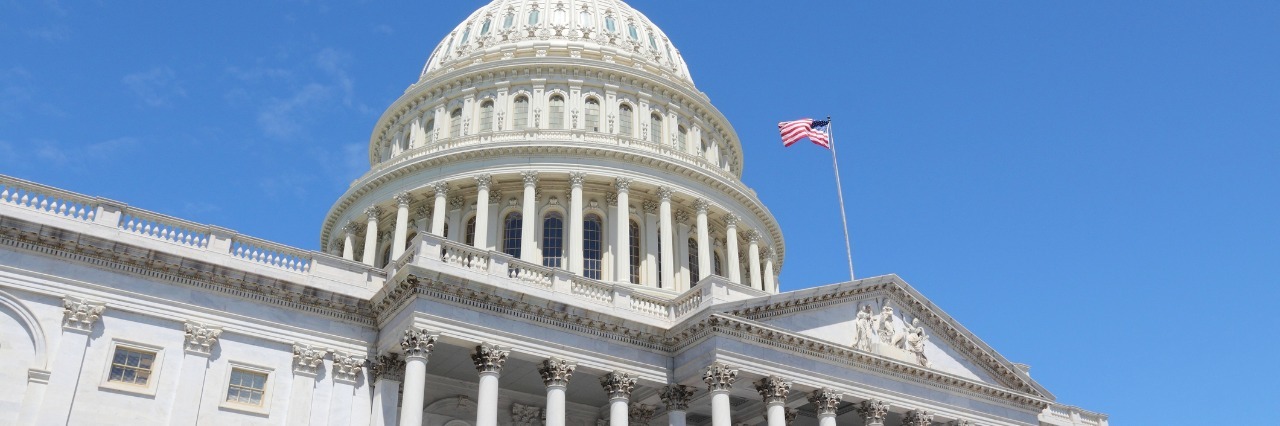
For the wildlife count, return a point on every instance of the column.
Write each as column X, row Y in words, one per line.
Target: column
column 619, row 386
column 719, row 379
column 78, row 317
column 825, row 401
column 200, row 340
column 371, row 235
column 482, row 212
column 917, row 418
column 528, row 218
column 668, row 234
column 489, row 360
column 388, row 374
column 417, row 345
column 873, row 411
column 399, row 240
column 623, row 252
column 346, row 373
column 731, row 250
column 306, row 360
column 753, row 258
column 774, row 391
column 576, row 179
column 349, row 240
column 677, row 398
column 770, row 282
column 650, row 249
column 555, row 375
column 440, row 208
column 704, row 243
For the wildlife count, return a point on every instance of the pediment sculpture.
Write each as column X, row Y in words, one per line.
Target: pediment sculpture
column 879, row 334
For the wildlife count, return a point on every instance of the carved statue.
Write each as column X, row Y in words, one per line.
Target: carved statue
column 915, row 341
column 884, row 326
column 862, row 332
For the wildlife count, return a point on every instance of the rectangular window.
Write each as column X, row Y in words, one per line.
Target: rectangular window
column 131, row 366
column 247, row 387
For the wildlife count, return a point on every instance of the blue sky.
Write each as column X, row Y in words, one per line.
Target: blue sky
column 1091, row 187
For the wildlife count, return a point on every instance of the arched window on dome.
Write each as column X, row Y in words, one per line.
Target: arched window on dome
column 560, row 17
column 655, row 128
column 486, row 116
column 694, row 276
column 625, row 118
column 634, row 252
column 610, row 24
column 553, row 240
column 484, row 29
column 430, row 130
column 533, row 17
column 653, row 41
column 521, row 112
column 592, row 246
column 584, row 19
column 633, row 32
column 466, row 35
column 455, row 123
column 509, row 20
column 556, row 106
column 512, row 227
column 593, row 115
column 682, row 138
column 470, row 238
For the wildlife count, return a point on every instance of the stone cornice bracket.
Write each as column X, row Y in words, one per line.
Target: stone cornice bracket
column 441, row 188
column 418, row 343
column 719, row 377
column 307, row 358
column 403, row 199
column 576, row 179
column 80, row 314
column 917, row 418
column 773, row 389
column 388, row 366
column 701, row 205
column 530, row 177
column 825, row 400
column 640, row 413
column 618, row 384
column 961, row 422
column 200, row 338
column 622, row 184
column 372, row 213
column 489, row 358
column 873, row 410
column 556, row 372
column 346, row 367
column 483, row 181
column 677, row 397
column 664, row 193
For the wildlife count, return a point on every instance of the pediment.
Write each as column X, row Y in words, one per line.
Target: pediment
column 884, row 316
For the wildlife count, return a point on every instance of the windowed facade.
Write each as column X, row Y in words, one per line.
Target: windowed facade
column 556, row 113
column 455, row 123
column 634, row 252
column 592, row 246
column 655, row 128
column 247, row 387
column 553, row 240
column 471, row 231
column 131, row 366
column 593, row 115
column 682, row 138
column 486, row 116
column 694, row 275
column 512, row 227
column 625, row 118
column 521, row 112
column 430, row 130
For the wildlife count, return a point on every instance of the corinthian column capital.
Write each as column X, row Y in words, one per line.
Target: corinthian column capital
column 556, row 371
column 825, row 400
column 664, row 193
column 917, row 418
column 418, row 343
column 618, row 384
column 200, row 338
column 530, row 177
column 483, row 181
column 701, row 206
column 80, row 314
column 576, row 179
column 873, row 410
column 307, row 358
column 623, row 184
column 677, row 397
column 403, row 199
column 489, row 358
column 388, row 366
column 372, row 212
column 773, row 389
column 719, row 377
column 347, row 367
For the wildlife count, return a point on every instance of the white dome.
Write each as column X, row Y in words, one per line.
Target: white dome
column 605, row 30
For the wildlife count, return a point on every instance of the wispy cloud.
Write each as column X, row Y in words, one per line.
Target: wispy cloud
column 384, row 29
column 283, row 118
column 63, row 155
column 155, row 87
column 286, row 185
column 334, row 63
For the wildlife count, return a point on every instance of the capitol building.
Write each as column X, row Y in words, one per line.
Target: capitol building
column 553, row 230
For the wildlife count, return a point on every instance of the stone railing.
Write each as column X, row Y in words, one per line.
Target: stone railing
column 110, row 219
column 1066, row 415
column 497, row 269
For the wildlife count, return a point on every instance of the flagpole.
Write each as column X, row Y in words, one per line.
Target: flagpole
column 848, row 249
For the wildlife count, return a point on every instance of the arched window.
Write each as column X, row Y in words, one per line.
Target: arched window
column 634, row 252
column 584, row 19
column 511, row 231
column 431, row 130
column 624, row 120
column 631, row 31
column 455, row 123
column 486, row 116
column 533, row 17
column 522, row 112
column 508, row 21
column 560, row 17
column 471, row 231
column 466, row 34
column 552, row 240
column 715, row 264
column 593, row 115
column 556, row 118
column 592, row 246
column 445, row 234
column 484, row 29
column 655, row 128
column 653, row 41
column 694, row 276
column 682, row 138
column 610, row 25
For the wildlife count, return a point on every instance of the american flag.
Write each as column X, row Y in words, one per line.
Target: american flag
column 815, row 130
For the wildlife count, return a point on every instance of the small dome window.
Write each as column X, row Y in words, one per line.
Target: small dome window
column 484, row 29
column 584, row 19
column 631, row 31
column 653, row 41
column 610, row 24
column 561, row 17
column 508, row 21
column 466, row 34
column 533, row 17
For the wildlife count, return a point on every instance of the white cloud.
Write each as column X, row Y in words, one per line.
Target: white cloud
column 384, row 29
column 282, row 118
column 334, row 63
column 79, row 156
column 155, row 86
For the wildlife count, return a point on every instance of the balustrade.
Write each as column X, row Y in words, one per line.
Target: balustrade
column 46, row 199
column 165, row 228
column 271, row 254
column 536, row 275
